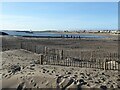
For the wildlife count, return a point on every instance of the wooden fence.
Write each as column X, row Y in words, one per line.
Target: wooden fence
column 76, row 58
column 87, row 59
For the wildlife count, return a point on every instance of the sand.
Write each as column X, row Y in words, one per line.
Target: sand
column 22, row 69
column 33, row 75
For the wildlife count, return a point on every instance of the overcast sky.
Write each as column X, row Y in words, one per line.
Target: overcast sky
column 59, row 16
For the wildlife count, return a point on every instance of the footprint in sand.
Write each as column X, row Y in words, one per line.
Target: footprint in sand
column 35, row 85
column 31, row 81
column 21, row 86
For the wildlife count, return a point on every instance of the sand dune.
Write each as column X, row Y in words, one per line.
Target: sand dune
column 29, row 75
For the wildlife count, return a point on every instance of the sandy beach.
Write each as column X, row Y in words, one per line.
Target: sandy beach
column 61, row 45
column 33, row 75
column 21, row 68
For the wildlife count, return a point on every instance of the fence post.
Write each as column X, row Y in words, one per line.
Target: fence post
column 73, row 63
column 41, row 59
column 45, row 50
column 61, row 54
column 118, row 63
column 21, row 46
column 110, row 66
column 104, row 64
column 79, row 63
column 70, row 62
column 35, row 49
column 92, row 59
column 57, row 60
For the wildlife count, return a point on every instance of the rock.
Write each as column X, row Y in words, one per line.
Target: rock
column 15, row 68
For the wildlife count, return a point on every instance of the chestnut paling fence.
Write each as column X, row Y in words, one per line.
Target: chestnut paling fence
column 87, row 59
column 75, row 58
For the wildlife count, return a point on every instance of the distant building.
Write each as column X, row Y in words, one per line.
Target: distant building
column 113, row 31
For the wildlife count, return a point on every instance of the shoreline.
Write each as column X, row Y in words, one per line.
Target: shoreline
column 72, row 35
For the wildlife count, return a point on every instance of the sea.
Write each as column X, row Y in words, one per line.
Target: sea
column 51, row 34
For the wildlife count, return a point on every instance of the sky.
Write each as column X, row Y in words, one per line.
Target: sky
column 59, row 15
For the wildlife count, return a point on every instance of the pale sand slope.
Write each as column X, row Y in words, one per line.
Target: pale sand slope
column 33, row 75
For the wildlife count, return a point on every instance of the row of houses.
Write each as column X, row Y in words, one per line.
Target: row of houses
column 110, row 31
column 97, row 31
